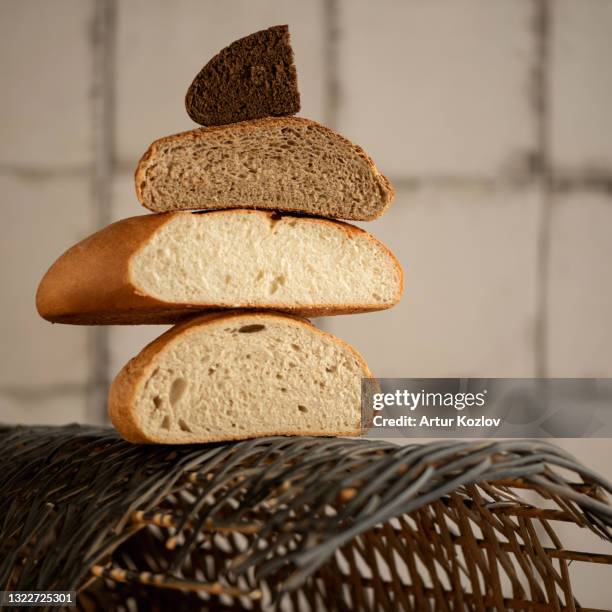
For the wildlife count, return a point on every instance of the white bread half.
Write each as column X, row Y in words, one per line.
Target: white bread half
column 237, row 375
column 287, row 163
column 164, row 268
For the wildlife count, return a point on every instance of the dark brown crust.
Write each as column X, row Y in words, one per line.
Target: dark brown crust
column 253, row 77
column 90, row 283
column 387, row 192
column 122, row 407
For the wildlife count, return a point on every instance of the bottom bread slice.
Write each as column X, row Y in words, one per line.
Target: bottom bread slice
column 237, row 375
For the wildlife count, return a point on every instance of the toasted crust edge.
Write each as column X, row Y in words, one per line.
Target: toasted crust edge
column 122, row 408
column 107, row 296
column 384, row 184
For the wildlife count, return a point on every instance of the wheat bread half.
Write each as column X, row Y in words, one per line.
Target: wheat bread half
column 253, row 77
column 239, row 375
column 290, row 164
column 164, row 268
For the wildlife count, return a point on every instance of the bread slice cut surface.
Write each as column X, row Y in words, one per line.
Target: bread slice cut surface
column 160, row 268
column 239, row 375
column 253, row 77
column 290, row 164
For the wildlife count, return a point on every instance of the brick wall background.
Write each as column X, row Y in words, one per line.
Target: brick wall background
column 491, row 117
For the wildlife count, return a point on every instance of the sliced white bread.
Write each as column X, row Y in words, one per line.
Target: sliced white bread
column 288, row 163
column 164, row 268
column 239, row 375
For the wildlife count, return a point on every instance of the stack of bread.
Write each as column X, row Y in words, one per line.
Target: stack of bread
column 243, row 244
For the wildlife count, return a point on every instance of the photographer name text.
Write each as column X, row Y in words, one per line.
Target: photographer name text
column 460, row 420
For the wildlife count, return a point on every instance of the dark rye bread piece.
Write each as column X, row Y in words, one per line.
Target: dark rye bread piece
column 290, row 164
column 254, row 77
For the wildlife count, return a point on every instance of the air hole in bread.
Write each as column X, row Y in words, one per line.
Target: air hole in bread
column 228, row 279
column 177, row 390
column 184, row 426
column 166, row 422
column 274, row 219
column 331, row 368
column 153, row 375
column 250, row 329
column 377, row 297
column 260, row 275
column 302, row 408
column 211, row 371
column 278, row 281
column 157, row 402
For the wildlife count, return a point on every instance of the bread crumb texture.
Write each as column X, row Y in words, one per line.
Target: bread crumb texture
column 288, row 164
column 252, row 258
column 240, row 376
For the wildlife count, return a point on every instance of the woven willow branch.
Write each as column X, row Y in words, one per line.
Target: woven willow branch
column 297, row 519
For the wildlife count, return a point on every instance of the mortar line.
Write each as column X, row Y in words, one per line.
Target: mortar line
column 542, row 109
column 563, row 182
column 331, row 53
column 41, row 392
column 103, row 117
column 45, row 172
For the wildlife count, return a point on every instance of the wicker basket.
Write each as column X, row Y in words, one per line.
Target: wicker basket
column 293, row 523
